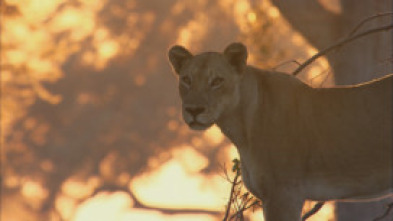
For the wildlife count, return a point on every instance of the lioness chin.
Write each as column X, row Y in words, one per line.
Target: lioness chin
column 295, row 142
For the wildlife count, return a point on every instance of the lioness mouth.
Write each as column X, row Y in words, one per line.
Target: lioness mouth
column 197, row 125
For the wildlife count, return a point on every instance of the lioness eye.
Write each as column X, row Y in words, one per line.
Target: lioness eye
column 216, row 82
column 186, row 80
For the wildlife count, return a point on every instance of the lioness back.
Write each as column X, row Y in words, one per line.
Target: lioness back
column 295, row 142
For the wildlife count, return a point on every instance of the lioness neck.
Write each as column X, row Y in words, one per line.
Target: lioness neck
column 257, row 88
column 236, row 123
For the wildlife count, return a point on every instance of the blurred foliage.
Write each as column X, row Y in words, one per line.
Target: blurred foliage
column 87, row 94
column 274, row 45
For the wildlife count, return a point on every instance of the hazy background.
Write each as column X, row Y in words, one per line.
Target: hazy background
column 90, row 116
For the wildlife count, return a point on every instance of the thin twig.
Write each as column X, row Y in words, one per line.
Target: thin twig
column 358, row 26
column 237, row 201
column 387, row 211
column 325, row 79
column 339, row 44
column 255, row 203
column 314, row 210
column 234, row 184
column 284, row 63
column 226, row 176
column 311, row 79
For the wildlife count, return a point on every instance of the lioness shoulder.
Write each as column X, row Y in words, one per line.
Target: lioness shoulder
column 295, row 142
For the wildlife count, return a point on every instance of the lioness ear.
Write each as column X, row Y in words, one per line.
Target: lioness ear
column 236, row 53
column 178, row 55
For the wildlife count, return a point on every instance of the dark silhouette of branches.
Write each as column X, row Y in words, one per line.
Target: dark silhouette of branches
column 240, row 201
column 234, row 184
column 389, row 207
column 358, row 26
column 340, row 44
column 102, row 127
column 351, row 37
column 314, row 210
column 285, row 63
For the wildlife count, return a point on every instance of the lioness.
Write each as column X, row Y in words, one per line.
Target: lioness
column 295, row 142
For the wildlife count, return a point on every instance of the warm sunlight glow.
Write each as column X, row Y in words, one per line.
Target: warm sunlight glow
column 325, row 213
column 242, row 8
column 108, row 49
column 193, row 32
column 104, row 207
column 332, row 5
column 318, row 74
column 214, row 135
column 81, row 107
column 66, row 206
column 151, row 215
column 32, row 189
column 79, row 21
column 36, row 11
column 177, row 184
column 78, row 189
column 273, row 12
column 257, row 215
column 252, row 17
column 231, row 152
column 119, row 206
column 190, row 159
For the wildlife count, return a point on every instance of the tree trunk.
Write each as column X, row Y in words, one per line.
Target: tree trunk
column 359, row 61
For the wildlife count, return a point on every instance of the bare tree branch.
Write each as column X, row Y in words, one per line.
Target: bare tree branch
column 358, row 26
column 314, row 210
column 240, row 212
column 387, row 211
column 234, row 184
column 304, row 22
column 239, row 200
column 242, row 202
column 339, row 44
column 285, row 63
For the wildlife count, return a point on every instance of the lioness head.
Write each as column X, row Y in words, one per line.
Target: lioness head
column 208, row 82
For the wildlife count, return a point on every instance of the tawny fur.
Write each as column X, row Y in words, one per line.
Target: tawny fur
column 295, row 142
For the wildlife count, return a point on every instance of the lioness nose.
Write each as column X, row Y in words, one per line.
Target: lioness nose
column 195, row 111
